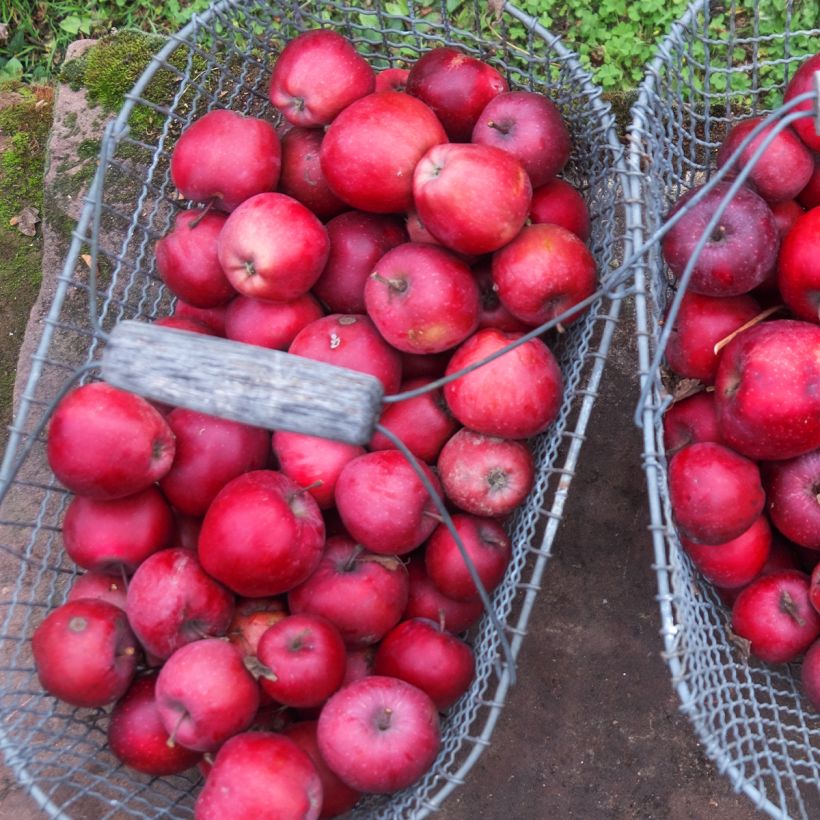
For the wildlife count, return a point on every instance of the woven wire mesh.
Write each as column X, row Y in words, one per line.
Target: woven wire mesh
column 720, row 63
column 222, row 59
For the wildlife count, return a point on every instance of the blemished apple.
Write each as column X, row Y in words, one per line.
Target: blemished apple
column 425, row 600
column 260, row 774
column 370, row 150
column 457, row 86
column 531, row 128
column 716, row 493
column 317, row 75
column 225, row 158
column 247, row 628
column 383, row 503
column 301, row 176
column 472, row 198
column 422, row 299
column 273, row 247
column 205, row 695
column 262, row 534
column 423, row 653
column 798, row 275
column 210, row 452
column 690, row 420
column 187, row 261
column 781, row 171
column 108, row 443
column 337, row 798
column 313, row 462
column 485, row 475
column 559, row 203
column 801, row 82
column 423, row 422
column 392, row 79
column 739, row 254
column 767, row 407
column 488, row 547
column 702, row 322
column 269, row 323
column 774, row 613
column 734, row 563
column 85, row 653
column 379, row 734
column 350, row 340
column 137, row 737
column 302, row 660
column 117, row 535
column 102, row 585
column 172, row 601
column 543, row 272
column 357, row 241
column 362, row 594
column 517, row 395
column 793, row 498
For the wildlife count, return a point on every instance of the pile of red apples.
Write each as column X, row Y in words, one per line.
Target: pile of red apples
column 744, row 449
column 284, row 611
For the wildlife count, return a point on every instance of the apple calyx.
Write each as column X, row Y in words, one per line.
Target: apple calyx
column 250, row 270
column 258, row 669
column 497, row 479
column 788, row 606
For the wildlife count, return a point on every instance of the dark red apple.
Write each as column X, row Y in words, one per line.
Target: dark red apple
column 107, row 443
column 273, row 247
column 379, row 734
column 766, row 390
column 422, row 299
column 85, row 653
column 370, row 150
column 383, row 503
column 559, row 203
column 317, row 75
column 809, row 197
column 262, row 534
column 798, row 275
column 810, row 675
column 793, row 498
column 184, row 323
column 359, row 663
column 137, row 737
column 786, row 213
column 213, row 318
column 801, row 82
column 362, row 594
column 517, row 395
column 392, row 79
column 225, row 158
column 118, row 535
column 472, row 198
column 268, row 323
column 211, row 451
column 424, row 366
column 528, row 126
column 457, row 86
column 492, row 312
column 716, row 493
column 187, row 261
column 690, row 420
column 350, row 340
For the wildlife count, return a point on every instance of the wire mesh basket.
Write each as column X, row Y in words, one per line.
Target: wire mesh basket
column 720, row 63
column 223, row 59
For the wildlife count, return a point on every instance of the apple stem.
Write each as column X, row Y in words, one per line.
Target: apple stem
column 788, row 606
column 194, row 222
column 560, row 328
column 384, row 720
column 498, row 127
column 312, row 486
column 357, row 551
column 399, row 285
column 433, row 515
column 129, row 651
column 171, row 738
column 441, row 620
column 751, row 323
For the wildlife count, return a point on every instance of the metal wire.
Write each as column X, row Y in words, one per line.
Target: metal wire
column 713, row 69
column 222, row 59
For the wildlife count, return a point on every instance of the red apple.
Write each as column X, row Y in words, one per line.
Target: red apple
column 809, row 197
column 517, row 395
column 558, row 203
column 528, row 126
column 187, row 260
column 101, row 585
column 247, row 628
column 492, row 312
column 262, row 534
column 766, row 391
column 716, row 494
column 379, row 734
column 211, row 451
column 690, row 420
column 350, row 340
column 383, row 503
column 362, row 594
column 137, row 737
column 107, row 443
column 472, row 198
column 225, row 158
column 422, row 299
column 359, row 663
column 786, row 213
column 85, row 653
column 273, row 247
column 184, row 323
column 268, row 323
column 802, row 81
column 810, row 675
column 798, row 275
column 793, row 498
column 213, row 318
column 370, row 150
column 424, row 365
column 392, row 79
column 317, row 75
column 456, row 86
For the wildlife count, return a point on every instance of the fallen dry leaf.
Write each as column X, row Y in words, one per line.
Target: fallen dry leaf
column 4, row 32
column 86, row 257
column 26, row 221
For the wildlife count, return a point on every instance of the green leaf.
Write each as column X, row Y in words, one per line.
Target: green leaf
column 74, row 24
column 12, row 69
